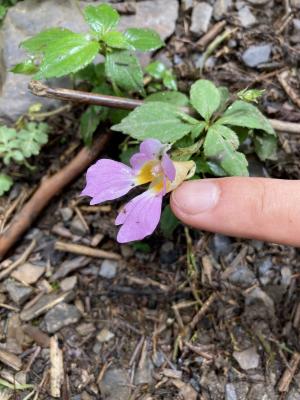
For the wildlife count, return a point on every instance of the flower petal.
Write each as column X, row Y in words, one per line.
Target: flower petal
column 139, row 217
column 168, row 167
column 152, row 148
column 138, row 160
column 108, row 180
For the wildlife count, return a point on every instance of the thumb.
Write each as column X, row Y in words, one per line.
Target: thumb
column 265, row 209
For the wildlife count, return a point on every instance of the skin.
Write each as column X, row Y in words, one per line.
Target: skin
column 256, row 208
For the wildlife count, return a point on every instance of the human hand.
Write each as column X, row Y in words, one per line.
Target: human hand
column 257, row 208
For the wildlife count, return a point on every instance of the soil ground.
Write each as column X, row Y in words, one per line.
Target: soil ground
column 158, row 327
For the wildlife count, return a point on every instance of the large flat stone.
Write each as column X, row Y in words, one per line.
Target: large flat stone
column 29, row 17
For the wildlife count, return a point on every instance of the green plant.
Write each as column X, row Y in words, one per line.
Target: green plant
column 205, row 128
column 5, row 4
column 17, row 146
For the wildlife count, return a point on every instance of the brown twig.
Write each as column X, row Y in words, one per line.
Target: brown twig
column 48, row 189
column 282, row 77
column 210, row 35
column 78, row 96
column 39, row 89
column 289, row 373
column 86, row 250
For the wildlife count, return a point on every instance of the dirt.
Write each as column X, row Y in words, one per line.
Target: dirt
column 150, row 325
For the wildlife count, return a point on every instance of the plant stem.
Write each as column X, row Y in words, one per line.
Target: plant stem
column 77, row 96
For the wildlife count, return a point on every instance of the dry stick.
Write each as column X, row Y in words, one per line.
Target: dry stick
column 210, row 35
column 86, row 250
column 203, row 310
column 19, row 261
column 289, row 373
column 282, row 77
column 48, row 189
column 42, row 90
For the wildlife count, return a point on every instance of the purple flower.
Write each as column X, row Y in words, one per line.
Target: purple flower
column 109, row 180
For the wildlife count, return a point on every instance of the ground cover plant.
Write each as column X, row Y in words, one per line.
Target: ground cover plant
column 181, row 314
column 205, row 136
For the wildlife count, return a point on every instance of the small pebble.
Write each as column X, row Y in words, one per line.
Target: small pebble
column 68, row 283
column 108, row 269
column 257, row 54
column 247, row 359
column 201, row 17
column 66, row 213
column 17, row 292
column 246, row 17
column 60, row 316
column 105, row 335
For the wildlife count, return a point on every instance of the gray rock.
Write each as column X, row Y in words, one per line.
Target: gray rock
column 247, row 359
column 257, row 295
column 257, row 54
column 220, row 245
column 265, row 270
column 295, row 3
column 105, row 335
column 61, row 315
column 115, row 385
column 230, row 393
column 66, row 213
column 29, row 273
column 220, row 8
column 144, row 372
column 77, row 227
column 296, row 24
column 187, row 4
column 246, row 17
column 201, row 17
column 241, row 276
column 108, row 269
column 15, row 98
column 168, row 253
column 18, row 292
column 68, row 283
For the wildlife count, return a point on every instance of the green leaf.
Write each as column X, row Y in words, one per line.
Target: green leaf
column 116, row 40
column 169, row 80
column 155, row 120
column 40, row 42
column 17, row 146
column 89, row 122
column 265, row 146
column 176, row 98
column 185, row 153
column 205, row 97
column 101, row 19
column 27, row 67
column 67, row 55
column 143, row 39
column 246, row 115
column 168, row 222
column 220, row 147
column 224, row 93
column 197, row 130
column 5, row 183
column 124, row 71
column 33, row 136
column 92, row 73
column 3, row 10
column 128, row 153
column 115, row 115
column 156, row 69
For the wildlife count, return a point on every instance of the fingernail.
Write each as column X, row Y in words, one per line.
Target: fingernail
column 196, row 196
